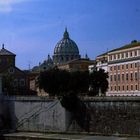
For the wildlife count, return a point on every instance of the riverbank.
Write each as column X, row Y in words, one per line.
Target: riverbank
column 56, row 136
column 98, row 115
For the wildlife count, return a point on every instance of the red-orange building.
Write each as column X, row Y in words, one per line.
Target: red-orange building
column 123, row 66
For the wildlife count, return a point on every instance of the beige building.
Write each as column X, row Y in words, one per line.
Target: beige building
column 123, row 66
column 102, row 62
column 80, row 64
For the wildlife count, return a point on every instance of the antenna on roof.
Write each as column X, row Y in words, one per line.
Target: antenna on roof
column 29, row 65
column 86, row 56
column 107, row 50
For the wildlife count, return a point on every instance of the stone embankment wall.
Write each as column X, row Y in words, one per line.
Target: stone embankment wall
column 114, row 115
column 102, row 115
column 36, row 114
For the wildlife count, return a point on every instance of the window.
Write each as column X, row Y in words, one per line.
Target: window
column 131, row 87
column 4, row 61
column 127, row 76
column 114, row 67
column 127, row 87
column 136, row 87
column 114, row 56
column 126, row 66
column 138, row 52
column 110, row 57
column 118, row 56
column 122, row 66
column 118, row 77
column 135, row 65
column 110, row 68
column 131, row 65
column 122, row 55
column 122, row 77
column 118, row 87
column 22, row 82
column 122, row 87
column 11, row 70
column 8, row 60
column 131, row 76
column 135, row 53
column 114, row 77
column 110, row 77
column 136, row 76
column 15, row 83
column 118, row 67
column 126, row 54
column 131, row 54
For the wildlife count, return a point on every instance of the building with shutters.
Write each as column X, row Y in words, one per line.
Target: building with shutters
column 123, row 67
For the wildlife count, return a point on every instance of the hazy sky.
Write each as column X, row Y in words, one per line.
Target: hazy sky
column 31, row 28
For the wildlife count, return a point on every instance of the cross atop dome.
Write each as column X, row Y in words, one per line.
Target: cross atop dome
column 66, row 34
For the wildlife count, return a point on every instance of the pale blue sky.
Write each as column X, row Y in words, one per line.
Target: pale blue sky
column 31, row 28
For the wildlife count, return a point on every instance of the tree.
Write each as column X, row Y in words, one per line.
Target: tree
column 98, row 81
column 79, row 82
column 61, row 82
column 7, row 84
column 66, row 85
column 58, row 82
column 54, row 81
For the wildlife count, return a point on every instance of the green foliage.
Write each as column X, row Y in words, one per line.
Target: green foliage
column 61, row 82
column 67, row 85
column 7, row 84
column 70, row 101
column 134, row 41
column 54, row 81
column 79, row 82
column 98, row 80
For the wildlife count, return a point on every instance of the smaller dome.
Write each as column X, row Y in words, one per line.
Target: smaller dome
column 47, row 64
column 49, row 61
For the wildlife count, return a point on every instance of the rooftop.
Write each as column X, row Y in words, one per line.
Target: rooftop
column 133, row 43
column 4, row 51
